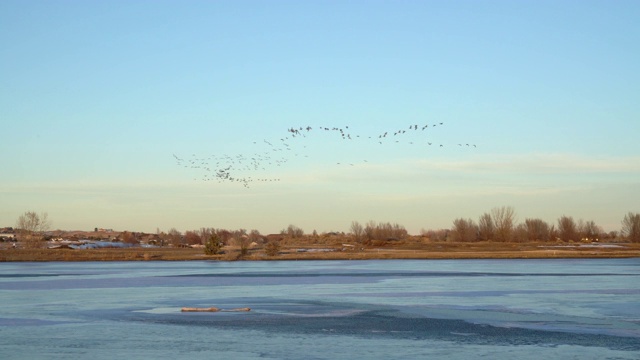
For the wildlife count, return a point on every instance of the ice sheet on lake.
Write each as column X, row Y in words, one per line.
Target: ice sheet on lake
column 493, row 307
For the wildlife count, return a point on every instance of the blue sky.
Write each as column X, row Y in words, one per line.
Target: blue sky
column 97, row 97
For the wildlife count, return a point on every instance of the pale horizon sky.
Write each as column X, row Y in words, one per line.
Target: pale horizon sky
column 99, row 100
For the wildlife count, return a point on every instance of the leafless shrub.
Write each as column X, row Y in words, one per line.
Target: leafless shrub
column 255, row 236
column 192, row 238
column 384, row 231
column 504, row 222
column 588, row 230
column 241, row 240
column 224, row 235
column 205, row 233
column 536, row 230
column 357, row 230
column 631, row 227
column 163, row 238
column 464, row 230
column 31, row 227
column 567, row 229
column 293, row 232
column 520, row 233
column 369, row 230
column 486, row 229
column 128, row 238
column 175, row 237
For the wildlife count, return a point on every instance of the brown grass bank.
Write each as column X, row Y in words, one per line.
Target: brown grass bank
column 334, row 251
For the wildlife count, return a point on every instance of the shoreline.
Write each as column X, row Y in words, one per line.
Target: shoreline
column 432, row 251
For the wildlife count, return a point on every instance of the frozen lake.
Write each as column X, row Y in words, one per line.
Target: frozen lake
column 449, row 309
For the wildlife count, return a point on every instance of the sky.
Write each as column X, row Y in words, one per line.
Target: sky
column 152, row 115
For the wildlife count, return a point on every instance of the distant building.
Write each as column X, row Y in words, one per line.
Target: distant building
column 7, row 236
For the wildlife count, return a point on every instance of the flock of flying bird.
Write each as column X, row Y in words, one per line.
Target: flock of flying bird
column 227, row 168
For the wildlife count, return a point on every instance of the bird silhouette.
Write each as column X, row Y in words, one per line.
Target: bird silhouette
column 242, row 168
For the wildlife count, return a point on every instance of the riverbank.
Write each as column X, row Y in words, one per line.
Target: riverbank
column 434, row 250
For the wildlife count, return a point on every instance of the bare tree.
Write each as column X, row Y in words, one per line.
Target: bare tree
column 294, row 232
column 369, row 230
column 567, row 228
column 536, row 230
column 241, row 239
column 631, row 227
column 399, row 231
column 357, row 230
column 224, row 235
column 205, row 233
column 192, row 238
column 464, row 230
column 504, row 222
column 384, row 231
column 129, row 238
column 163, row 238
column 175, row 237
column 486, row 229
column 244, row 244
column 588, row 230
column 520, row 233
column 553, row 233
column 31, row 227
column 255, row 237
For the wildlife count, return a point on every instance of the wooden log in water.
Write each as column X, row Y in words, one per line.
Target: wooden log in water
column 213, row 309
column 239, row 309
column 192, row 309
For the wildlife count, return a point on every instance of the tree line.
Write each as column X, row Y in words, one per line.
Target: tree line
column 499, row 225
